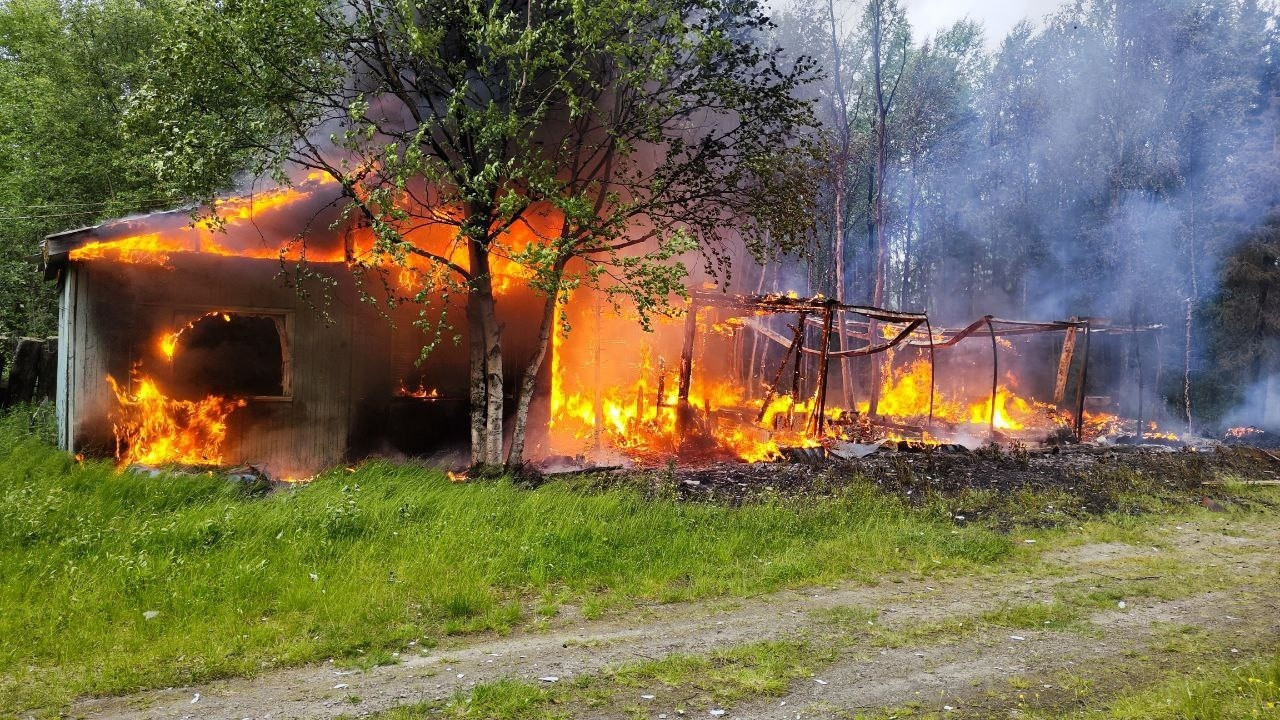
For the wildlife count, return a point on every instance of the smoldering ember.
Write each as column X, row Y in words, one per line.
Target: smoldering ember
column 546, row 359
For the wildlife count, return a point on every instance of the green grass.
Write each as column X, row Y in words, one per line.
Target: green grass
column 753, row 670
column 358, row 564
column 1207, row 693
column 1033, row 616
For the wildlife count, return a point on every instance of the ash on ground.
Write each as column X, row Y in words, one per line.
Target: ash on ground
column 1063, row 483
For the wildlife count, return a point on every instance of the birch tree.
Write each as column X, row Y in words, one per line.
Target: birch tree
column 644, row 130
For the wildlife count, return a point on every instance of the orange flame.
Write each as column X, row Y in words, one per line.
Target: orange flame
column 153, row 429
column 169, row 341
column 419, row 392
column 904, row 396
column 1244, row 432
column 240, row 227
column 634, row 418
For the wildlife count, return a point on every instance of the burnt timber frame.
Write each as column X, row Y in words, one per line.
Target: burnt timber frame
column 820, row 312
column 806, row 309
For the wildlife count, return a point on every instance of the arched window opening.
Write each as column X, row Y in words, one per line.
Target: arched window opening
column 232, row 355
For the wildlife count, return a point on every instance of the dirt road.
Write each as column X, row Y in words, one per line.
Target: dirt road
column 1205, row 576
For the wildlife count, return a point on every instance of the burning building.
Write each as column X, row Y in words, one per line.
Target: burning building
column 248, row 340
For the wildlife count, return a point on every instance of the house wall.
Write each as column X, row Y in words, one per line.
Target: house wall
column 345, row 356
column 115, row 315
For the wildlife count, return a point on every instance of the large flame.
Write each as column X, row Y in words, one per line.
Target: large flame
column 266, row 225
column 641, row 416
column 154, row 429
column 206, row 235
column 637, row 415
column 905, row 396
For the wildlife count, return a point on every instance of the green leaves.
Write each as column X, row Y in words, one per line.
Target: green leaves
column 596, row 142
column 67, row 72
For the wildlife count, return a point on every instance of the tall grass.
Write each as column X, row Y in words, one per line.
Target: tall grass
column 115, row 582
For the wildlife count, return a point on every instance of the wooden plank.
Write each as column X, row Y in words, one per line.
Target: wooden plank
column 1064, row 365
column 1080, row 390
column 61, row 404
column 686, row 368
column 818, row 419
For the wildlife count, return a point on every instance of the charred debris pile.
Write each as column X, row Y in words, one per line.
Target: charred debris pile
column 1007, row 486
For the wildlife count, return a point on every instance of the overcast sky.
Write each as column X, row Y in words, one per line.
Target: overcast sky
column 997, row 16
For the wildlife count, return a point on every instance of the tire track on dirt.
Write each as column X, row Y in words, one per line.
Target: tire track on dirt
column 652, row 632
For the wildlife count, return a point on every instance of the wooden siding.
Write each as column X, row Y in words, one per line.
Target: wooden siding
column 343, row 373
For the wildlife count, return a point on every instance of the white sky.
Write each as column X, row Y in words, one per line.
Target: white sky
column 997, row 16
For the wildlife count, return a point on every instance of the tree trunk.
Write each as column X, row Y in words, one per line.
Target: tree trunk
column 753, row 364
column 529, row 380
column 868, row 267
column 475, row 346
column 1190, row 317
column 904, row 299
column 881, row 258
column 882, row 248
column 842, row 158
column 486, row 362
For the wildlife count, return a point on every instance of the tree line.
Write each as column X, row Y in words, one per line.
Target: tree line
column 1118, row 160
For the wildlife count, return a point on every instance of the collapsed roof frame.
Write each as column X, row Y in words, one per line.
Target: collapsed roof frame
column 825, row 308
column 821, row 312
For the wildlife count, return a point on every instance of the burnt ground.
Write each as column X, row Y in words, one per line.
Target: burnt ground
column 985, row 484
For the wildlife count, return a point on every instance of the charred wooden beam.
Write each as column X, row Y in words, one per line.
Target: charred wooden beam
column 856, row 352
column 661, row 399
column 686, row 367
column 1084, row 379
column 796, row 373
column 1064, row 365
column 995, row 378
column 787, row 304
column 873, row 349
column 793, row 349
column 933, row 368
column 955, row 338
column 818, row 418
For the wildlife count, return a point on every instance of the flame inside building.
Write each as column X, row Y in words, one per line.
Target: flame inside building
column 206, row 343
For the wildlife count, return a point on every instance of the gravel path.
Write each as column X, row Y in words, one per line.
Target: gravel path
column 934, row 674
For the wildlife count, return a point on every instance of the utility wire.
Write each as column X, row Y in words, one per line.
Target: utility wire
column 100, row 203
column 48, row 216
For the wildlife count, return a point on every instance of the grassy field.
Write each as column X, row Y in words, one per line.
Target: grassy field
column 115, row 582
